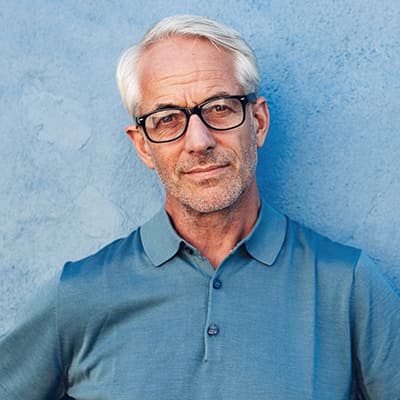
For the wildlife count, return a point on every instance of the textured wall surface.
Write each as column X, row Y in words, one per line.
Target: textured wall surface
column 70, row 181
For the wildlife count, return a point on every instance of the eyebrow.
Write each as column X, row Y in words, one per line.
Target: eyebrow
column 161, row 106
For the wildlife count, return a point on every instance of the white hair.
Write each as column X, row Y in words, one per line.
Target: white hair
column 193, row 26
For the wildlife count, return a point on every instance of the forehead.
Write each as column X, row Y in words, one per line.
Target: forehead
column 184, row 71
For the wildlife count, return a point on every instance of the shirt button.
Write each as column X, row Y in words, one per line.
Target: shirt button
column 213, row 330
column 189, row 250
column 217, row 284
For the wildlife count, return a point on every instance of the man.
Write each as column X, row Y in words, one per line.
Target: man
column 218, row 296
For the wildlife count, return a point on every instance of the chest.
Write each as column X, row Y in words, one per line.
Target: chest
column 231, row 337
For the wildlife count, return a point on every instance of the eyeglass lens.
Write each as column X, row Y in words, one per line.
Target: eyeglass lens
column 220, row 114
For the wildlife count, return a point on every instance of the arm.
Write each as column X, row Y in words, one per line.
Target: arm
column 30, row 361
column 376, row 327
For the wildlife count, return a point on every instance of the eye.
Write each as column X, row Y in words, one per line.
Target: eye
column 219, row 107
column 165, row 118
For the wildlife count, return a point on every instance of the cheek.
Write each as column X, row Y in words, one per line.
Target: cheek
column 164, row 165
column 249, row 154
column 248, row 145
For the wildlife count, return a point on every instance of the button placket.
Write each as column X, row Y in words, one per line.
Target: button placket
column 213, row 328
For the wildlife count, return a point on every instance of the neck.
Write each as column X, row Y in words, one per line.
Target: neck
column 215, row 234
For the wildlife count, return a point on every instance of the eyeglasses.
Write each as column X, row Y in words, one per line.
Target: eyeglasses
column 218, row 113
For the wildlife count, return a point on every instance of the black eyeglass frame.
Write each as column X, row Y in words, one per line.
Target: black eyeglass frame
column 189, row 111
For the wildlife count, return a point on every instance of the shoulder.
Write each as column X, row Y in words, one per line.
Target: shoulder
column 321, row 249
column 84, row 285
column 88, row 289
column 372, row 284
column 340, row 263
column 108, row 257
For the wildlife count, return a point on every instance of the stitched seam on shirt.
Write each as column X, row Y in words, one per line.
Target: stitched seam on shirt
column 206, row 337
column 7, row 391
column 361, row 390
column 354, row 360
column 57, row 328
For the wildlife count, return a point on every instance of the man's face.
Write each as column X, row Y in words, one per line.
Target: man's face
column 205, row 170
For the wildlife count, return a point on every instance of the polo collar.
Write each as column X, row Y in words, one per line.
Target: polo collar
column 268, row 235
column 161, row 242
column 159, row 238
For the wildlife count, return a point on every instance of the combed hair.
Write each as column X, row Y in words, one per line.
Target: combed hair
column 192, row 26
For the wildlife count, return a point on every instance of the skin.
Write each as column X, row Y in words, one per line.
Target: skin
column 209, row 176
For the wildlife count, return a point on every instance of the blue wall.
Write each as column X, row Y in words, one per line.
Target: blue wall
column 70, row 181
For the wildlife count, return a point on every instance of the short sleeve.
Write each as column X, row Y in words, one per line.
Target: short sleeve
column 30, row 365
column 376, row 327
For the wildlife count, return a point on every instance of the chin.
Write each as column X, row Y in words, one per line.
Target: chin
column 212, row 202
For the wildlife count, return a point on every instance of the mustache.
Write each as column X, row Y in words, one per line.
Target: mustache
column 184, row 166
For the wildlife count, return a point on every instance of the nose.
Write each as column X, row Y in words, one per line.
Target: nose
column 198, row 138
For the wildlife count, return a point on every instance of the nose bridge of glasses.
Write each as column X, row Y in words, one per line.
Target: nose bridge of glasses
column 195, row 110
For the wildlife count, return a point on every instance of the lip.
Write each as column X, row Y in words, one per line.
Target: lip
column 207, row 170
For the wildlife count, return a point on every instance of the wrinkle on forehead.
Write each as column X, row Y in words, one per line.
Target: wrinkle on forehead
column 191, row 52
column 184, row 70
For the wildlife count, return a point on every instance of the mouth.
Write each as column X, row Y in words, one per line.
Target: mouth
column 206, row 171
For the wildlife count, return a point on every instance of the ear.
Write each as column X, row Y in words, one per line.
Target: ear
column 261, row 120
column 141, row 144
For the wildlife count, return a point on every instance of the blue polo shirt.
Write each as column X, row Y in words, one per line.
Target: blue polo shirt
column 288, row 315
